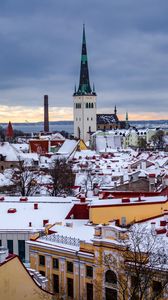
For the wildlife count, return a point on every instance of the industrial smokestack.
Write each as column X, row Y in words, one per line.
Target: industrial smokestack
column 46, row 121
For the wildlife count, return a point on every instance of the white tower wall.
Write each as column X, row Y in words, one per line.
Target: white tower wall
column 84, row 116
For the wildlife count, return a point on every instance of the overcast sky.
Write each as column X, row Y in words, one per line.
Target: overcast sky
column 40, row 47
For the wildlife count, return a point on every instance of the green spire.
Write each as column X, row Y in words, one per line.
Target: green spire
column 84, row 38
column 84, row 82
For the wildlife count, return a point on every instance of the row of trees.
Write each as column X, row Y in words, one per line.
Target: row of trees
column 28, row 182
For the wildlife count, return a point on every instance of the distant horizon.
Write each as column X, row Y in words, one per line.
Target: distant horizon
column 64, row 121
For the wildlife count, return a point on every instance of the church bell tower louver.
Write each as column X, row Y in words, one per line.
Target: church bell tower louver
column 84, row 100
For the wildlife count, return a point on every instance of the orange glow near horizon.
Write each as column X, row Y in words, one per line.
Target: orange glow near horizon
column 144, row 116
column 36, row 114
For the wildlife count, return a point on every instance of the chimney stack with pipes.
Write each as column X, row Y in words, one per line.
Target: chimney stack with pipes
column 46, row 120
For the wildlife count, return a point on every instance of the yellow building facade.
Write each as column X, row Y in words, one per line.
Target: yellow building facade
column 17, row 284
column 127, row 213
column 93, row 272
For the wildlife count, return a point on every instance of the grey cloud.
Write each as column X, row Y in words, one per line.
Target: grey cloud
column 40, row 45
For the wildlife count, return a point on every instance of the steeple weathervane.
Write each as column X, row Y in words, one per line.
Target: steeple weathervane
column 84, row 83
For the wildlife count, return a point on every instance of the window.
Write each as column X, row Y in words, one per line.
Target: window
column 21, row 249
column 0, row 243
column 111, row 294
column 157, row 287
column 41, row 260
column 42, row 273
column 55, row 263
column 55, row 283
column 69, row 266
column 89, row 291
column 70, row 287
column 89, row 271
column 110, row 277
column 87, row 119
column 91, row 119
column 78, row 105
column 10, row 246
column 87, row 105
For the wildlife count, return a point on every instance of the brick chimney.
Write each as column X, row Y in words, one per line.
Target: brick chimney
column 46, row 118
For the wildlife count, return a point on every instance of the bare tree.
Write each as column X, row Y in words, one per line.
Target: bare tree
column 62, row 177
column 141, row 267
column 158, row 139
column 142, row 144
column 25, row 180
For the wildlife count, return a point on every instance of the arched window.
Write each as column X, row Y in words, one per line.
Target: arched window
column 110, row 277
column 86, row 105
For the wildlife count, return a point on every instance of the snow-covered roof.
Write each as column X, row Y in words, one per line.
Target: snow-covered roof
column 9, row 151
column 4, row 180
column 69, row 235
column 106, row 118
column 68, row 147
column 53, row 209
column 21, row 147
column 52, row 137
column 133, row 201
column 29, row 157
column 85, row 153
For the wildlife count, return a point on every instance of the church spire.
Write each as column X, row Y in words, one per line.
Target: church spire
column 126, row 120
column 84, row 83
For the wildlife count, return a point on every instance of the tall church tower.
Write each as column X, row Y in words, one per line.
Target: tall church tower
column 84, row 100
